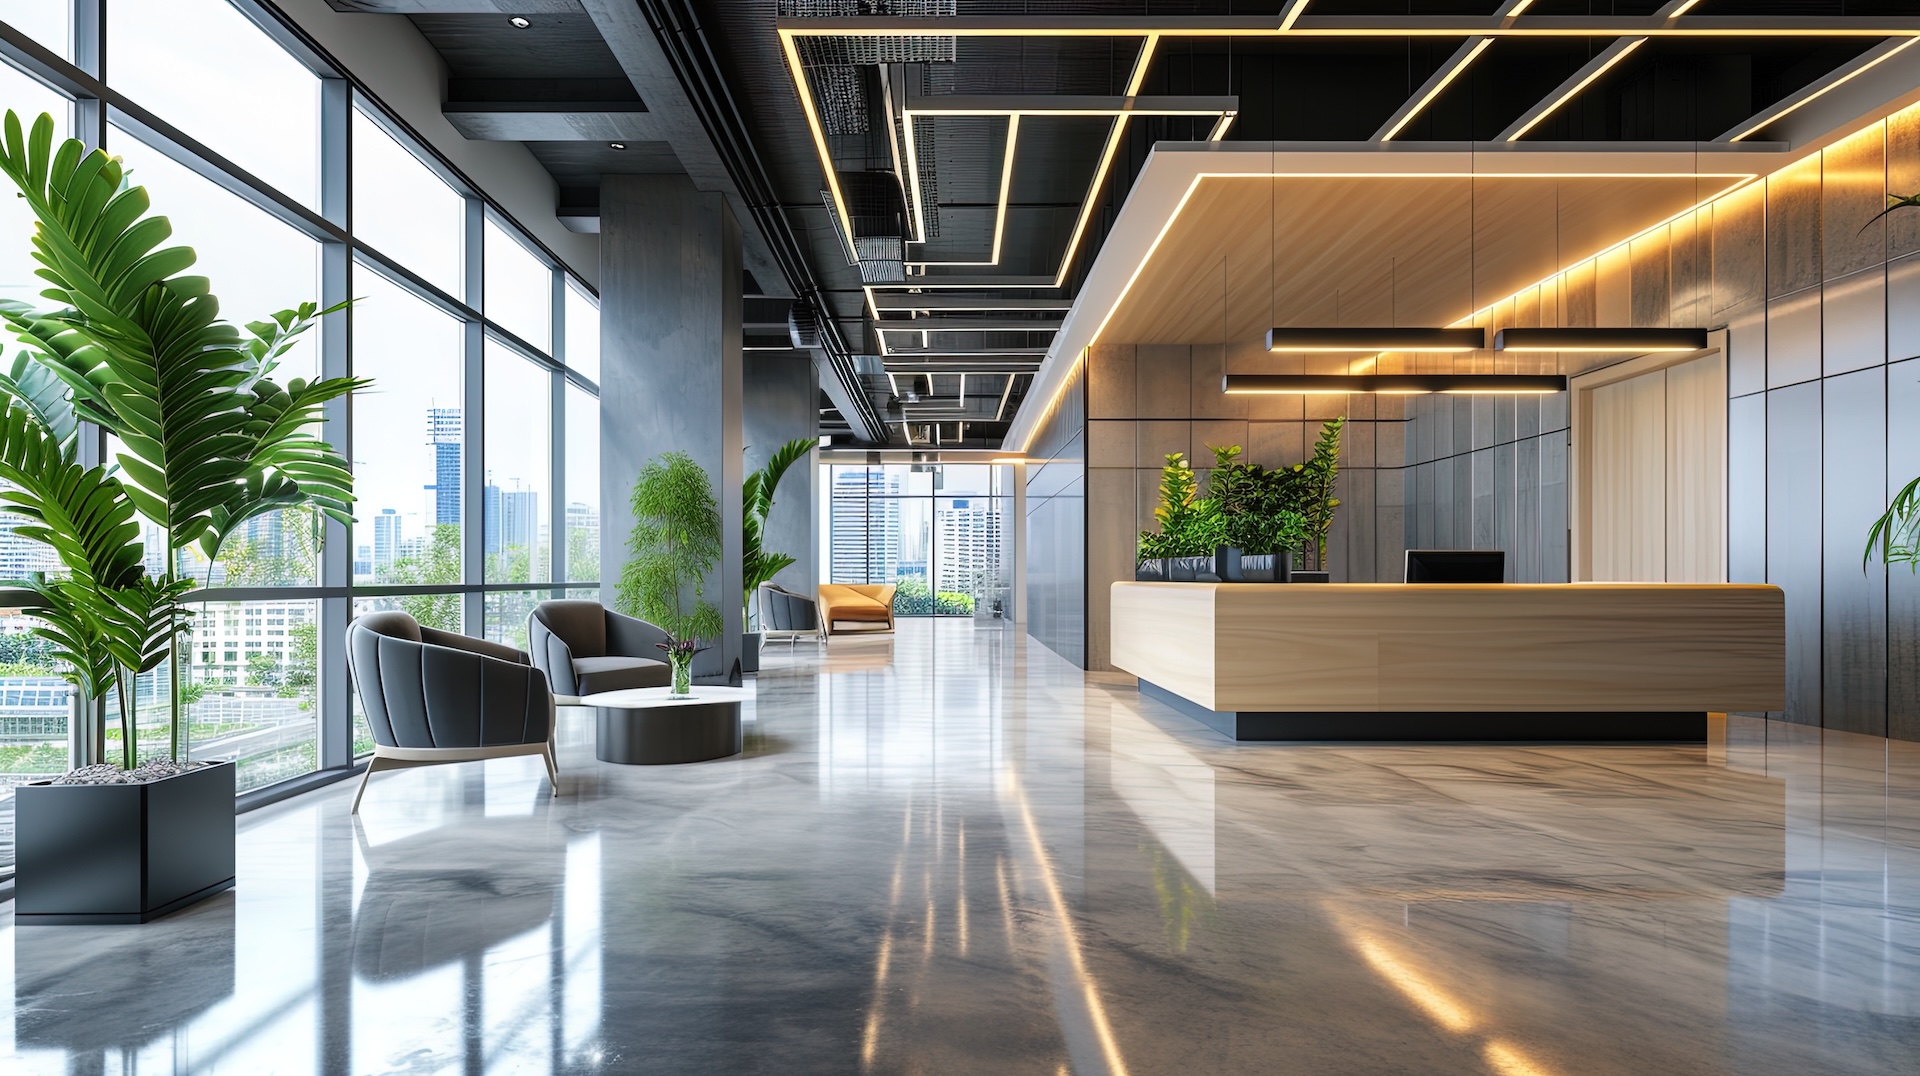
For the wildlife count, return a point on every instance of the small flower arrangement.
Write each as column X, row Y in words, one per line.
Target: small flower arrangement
column 680, row 654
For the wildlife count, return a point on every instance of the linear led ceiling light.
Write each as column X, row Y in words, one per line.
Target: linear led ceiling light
column 1638, row 340
column 1390, row 384
column 1323, row 340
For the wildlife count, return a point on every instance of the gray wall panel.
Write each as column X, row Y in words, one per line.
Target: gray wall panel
column 1903, row 309
column 1553, row 507
column 781, row 396
column 1793, row 339
column 1853, row 602
column 1794, row 537
column 1747, row 352
column 1853, row 322
column 1747, row 489
column 1903, row 585
column 1503, row 503
column 1480, row 465
column 1525, row 557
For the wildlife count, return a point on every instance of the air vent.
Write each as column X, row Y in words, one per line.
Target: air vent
column 803, row 325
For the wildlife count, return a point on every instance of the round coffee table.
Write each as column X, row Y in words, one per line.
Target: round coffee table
column 643, row 727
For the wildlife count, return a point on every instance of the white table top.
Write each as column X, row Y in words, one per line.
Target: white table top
column 637, row 698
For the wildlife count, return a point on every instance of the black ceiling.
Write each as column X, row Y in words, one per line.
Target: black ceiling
column 569, row 78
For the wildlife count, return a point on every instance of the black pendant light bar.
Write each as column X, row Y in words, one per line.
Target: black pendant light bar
column 1390, row 384
column 1625, row 340
column 1343, row 339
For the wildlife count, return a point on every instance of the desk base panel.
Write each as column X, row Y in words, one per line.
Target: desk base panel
column 1505, row 727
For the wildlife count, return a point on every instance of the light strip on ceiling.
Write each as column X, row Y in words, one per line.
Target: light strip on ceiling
column 1316, row 340
column 1887, row 50
column 1291, row 14
column 1361, row 26
column 1624, row 49
column 1390, row 384
column 789, row 45
column 1006, row 187
column 1455, row 65
column 1604, row 340
column 1139, row 75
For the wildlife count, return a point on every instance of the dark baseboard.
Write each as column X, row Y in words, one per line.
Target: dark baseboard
column 1486, row 726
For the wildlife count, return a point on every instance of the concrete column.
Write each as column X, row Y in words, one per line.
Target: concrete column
column 782, row 403
column 670, row 377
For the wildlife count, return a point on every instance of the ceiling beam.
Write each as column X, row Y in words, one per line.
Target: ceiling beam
column 1355, row 26
column 1589, row 72
column 1045, row 104
column 547, row 121
column 894, row 301
column 456, row 7
column 967, row 325
column 1820, row 87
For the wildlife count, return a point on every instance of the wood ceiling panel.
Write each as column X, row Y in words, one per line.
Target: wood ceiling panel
column 1247, row 253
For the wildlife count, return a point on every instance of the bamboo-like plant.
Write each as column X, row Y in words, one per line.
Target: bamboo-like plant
column 757, row 565
column 137, row 348
column 674, row 544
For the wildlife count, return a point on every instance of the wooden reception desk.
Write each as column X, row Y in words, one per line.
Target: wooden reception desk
column 1372, row 661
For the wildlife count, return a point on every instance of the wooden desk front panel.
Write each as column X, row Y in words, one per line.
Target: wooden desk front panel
column 1389, row 647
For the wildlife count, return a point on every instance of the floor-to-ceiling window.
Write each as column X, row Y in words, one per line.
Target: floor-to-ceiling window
column 938, row 532
column 474, row 450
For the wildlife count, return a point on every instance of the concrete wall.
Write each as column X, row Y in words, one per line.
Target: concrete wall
column 389, row 55
column 671, row 366
column 781, row 402
column 1146, row 400
column 1055, row 542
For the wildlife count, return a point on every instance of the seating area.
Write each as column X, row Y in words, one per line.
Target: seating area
column 866, row 607
column 585, row 648
column 789, row 616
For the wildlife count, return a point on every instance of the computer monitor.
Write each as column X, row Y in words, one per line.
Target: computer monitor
column 1456, row 566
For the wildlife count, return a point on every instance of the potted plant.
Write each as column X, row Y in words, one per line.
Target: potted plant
column 674, row 544
column 1189, row 526
column 757, row 564
column 207, row 441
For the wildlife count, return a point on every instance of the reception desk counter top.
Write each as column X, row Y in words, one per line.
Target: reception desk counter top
column 1277, row 661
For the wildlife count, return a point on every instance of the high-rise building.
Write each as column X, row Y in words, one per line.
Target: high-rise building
column 520, row 523
column 444, row 432
column 865, row 534
column 386, row 538
column 967, row 543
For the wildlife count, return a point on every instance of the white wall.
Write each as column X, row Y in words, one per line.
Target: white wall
column 388, row 55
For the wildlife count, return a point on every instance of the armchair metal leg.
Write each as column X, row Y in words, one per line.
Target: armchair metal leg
column 553, row 767
column 372, row 765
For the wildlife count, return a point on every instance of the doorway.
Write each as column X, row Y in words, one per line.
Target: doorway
column 1650, row 471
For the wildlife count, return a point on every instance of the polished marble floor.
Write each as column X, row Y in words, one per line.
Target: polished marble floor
column 953, row 853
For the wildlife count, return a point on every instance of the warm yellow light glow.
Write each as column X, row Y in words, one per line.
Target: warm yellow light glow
column 1797, row 105
column 1686, row 6
column 1457, row 26
column 788, row 45
column 1006, row 186
column 1574, row 91
column 1440, row 1007
column 1479, row 46
column 1294, row 9
column 1009, row 459
column 1505, row 1059
column 1636, row 349
column 1287, row 350
column 1485, row 392
column 1139, row 75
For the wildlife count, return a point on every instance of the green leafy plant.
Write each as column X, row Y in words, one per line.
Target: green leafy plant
column 1317, row 476
column 1897, row 531
column 757, row 565
column 674, row 544
column 1899, row 201
column 1187, row 524
column 208, row 440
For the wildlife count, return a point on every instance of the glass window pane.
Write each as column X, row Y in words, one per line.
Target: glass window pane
column 205, row 68
column 583, row 331
column 583, row 486
column 519, row 289
column 29, row 98
column 50, row 22
column 507, row 614
column 519, row 465
column 407, row 432
column 257, row 264
column 35, row 705
column 404, row 211
column 253, row 692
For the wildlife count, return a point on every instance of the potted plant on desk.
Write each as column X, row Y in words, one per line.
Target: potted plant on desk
column 674, row 544
column 207, row 440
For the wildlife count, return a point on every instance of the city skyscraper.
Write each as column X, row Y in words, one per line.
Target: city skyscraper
column 444, row 432
column 386, row 538
column 865, row 534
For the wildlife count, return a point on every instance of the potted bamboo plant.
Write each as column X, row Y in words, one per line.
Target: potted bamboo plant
column 133, row 347
column 674, row 544
column 757, row 564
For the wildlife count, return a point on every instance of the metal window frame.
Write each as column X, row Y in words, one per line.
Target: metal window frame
column 98, row 108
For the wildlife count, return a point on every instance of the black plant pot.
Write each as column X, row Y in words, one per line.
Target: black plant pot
column 1263, row 568
column 1226, row 564
column 122, row 853
column 1191, row 570
column 1311, row 577
column 1153, row 570
column 750, row 651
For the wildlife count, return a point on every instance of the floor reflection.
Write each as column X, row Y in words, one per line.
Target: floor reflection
column 949, row 852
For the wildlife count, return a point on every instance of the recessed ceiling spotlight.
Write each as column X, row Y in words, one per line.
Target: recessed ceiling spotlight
column 519, row 22
column 616, row 145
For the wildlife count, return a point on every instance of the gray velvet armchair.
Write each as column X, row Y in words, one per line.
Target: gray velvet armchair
column 434, row 696
column 585, row 647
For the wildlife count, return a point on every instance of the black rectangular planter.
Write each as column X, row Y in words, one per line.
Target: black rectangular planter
column 122, row 853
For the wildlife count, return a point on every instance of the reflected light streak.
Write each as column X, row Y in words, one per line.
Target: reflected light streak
column 1089, row 989
column 1430, row 999
column 1507, row 1060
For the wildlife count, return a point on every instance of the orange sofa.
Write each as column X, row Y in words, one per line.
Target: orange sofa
column 862, row 603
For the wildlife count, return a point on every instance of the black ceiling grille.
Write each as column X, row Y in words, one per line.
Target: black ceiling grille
column 823, row 51
column 841, row 95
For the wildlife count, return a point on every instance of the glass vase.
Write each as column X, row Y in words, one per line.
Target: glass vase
column 682, row 665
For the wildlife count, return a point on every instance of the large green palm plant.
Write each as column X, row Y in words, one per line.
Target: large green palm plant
column 757, row 565
column 208, row 440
